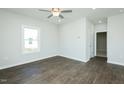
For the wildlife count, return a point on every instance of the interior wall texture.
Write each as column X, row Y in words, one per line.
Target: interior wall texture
column 72, row 37
column 72, row 40
column 102, row 27
column 90, row 33
column 68, row 40
column 115, row 36
column 11, row 53
column 75, row 38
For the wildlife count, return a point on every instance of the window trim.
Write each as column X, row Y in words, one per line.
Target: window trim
column 22, row 38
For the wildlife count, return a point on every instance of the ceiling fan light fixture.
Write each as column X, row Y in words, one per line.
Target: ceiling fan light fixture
column 59, row 20
column 56, row 11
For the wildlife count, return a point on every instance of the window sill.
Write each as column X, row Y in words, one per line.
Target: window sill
column 31, row 52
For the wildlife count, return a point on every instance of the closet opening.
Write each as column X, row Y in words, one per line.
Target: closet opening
column 101, row 44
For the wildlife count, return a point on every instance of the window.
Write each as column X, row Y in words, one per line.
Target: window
column 31, row 39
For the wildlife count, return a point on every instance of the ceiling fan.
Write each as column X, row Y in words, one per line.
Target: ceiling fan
column 56, row 12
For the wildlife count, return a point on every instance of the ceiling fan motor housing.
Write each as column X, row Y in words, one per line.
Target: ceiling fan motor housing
column 56, row 11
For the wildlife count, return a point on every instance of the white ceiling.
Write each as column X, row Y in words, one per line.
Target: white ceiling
column 93, row 14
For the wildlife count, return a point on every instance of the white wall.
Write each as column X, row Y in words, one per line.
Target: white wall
column 102, row 27
column 0, row 45
column 74, row 39
column 115, row 39
column 89, row 39
column 10, row 37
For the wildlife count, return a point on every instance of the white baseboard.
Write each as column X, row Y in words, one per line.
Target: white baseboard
column 29, row 61
column 117, row 63
column 33, row 60
column 74, row 58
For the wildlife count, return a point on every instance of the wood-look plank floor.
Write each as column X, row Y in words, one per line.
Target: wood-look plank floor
column 60, row 70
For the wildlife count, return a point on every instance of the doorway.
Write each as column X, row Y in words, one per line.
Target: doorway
column 101, row 44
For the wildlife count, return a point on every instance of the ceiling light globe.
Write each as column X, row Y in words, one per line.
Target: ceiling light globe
column 59, row 20
column 55, row 13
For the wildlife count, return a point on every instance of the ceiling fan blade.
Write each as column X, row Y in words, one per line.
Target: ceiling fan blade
column 66, row 11
column 61, row 16
column 50, row 16
column 43, row 10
